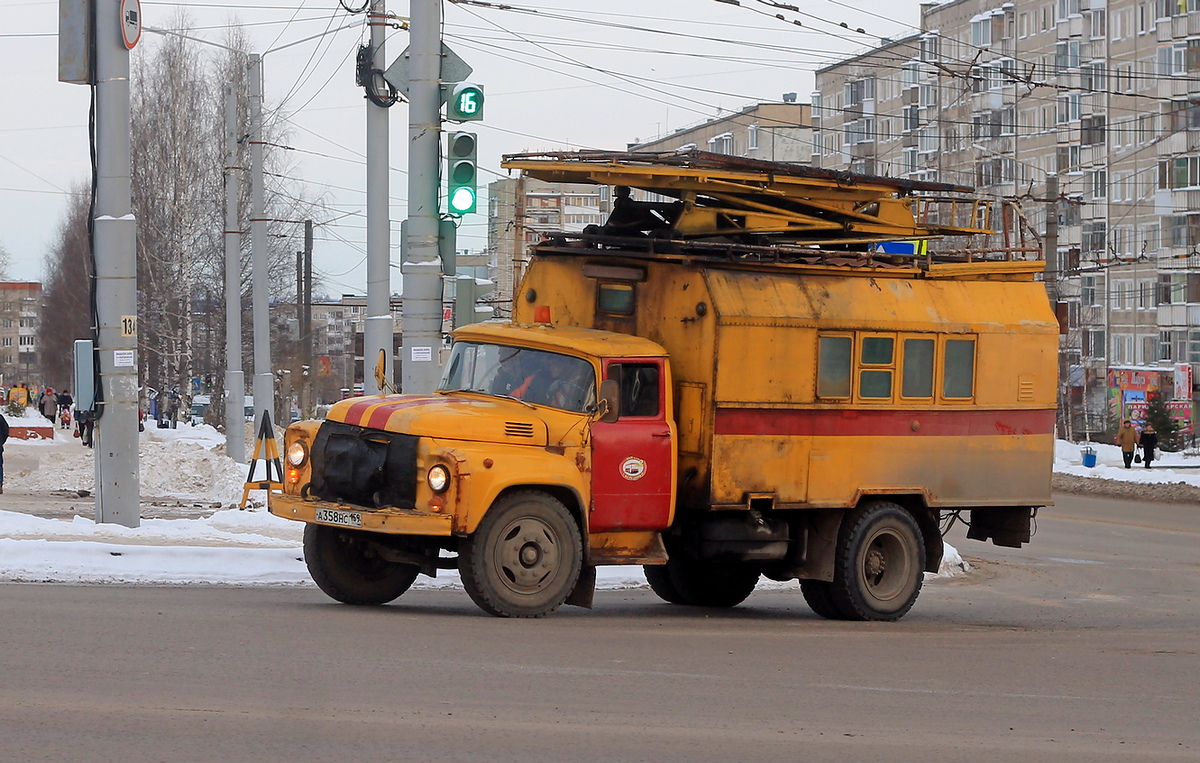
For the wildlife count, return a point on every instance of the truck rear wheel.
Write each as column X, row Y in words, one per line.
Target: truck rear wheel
column 660, row 582
column 878, row 568
column 349, row 569
column 711, row 584
column 525, row 557
column 818, row 594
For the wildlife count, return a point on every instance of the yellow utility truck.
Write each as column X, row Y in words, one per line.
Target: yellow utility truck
column 767, row 371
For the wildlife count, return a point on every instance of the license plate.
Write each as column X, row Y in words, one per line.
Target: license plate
column 338, row 517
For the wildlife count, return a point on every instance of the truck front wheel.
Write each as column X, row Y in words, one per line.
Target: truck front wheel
column 347, row 567
column 878, row 567
column 525, row 557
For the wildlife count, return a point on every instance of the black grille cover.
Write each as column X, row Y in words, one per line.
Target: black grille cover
column 364, row 466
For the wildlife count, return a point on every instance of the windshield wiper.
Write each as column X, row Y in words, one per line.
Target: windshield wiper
column 518, row 400
column 489, row 394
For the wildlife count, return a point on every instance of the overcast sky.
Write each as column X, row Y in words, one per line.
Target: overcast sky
column 558, row 74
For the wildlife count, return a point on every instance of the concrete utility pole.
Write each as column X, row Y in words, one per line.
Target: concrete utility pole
column 264, row 379
column 1051, row 243
column 377, row 331
column 306, row 337
column 422, row 265
column 117, row 496
column 235, row 381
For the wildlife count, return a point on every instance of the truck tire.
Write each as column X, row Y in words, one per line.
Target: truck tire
column 350, row 570
column 878, row 567
column 711, row 584
column 660, row 582
column 525, row 557
column 818, row 594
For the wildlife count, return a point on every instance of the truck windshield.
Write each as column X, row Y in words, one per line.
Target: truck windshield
column 533, row 376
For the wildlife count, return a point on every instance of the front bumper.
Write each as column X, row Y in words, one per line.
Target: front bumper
column 389, row 520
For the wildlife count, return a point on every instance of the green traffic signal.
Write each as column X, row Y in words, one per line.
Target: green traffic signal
column 461, row 173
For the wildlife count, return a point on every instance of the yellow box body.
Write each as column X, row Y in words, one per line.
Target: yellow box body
column 743, row 344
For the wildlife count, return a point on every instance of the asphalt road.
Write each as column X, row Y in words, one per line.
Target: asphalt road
column 1080, row 647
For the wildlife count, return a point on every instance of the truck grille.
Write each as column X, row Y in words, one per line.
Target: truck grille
column 364, row 466
column 518, row 429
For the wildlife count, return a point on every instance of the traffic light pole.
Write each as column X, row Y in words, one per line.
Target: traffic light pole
column 377, row 331
column 116, row 449
column 421, row 268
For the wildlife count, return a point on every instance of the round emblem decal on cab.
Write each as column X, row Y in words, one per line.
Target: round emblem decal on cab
column 633, row 468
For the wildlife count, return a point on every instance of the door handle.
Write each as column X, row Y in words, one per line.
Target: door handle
column 661, row 434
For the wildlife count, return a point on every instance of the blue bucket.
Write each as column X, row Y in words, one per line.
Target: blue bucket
column 1089, row 457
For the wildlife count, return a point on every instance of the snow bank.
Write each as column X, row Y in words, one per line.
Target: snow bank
column 1068, row 459
column 181, row 464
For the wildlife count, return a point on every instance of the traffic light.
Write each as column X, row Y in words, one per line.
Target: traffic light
column 467, row 293
column 465, row 103
column 461, row 173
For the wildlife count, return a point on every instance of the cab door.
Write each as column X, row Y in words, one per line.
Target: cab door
column 633, row 458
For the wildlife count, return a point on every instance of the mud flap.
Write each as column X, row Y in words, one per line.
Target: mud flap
column 1006, row 526
column 585, row 588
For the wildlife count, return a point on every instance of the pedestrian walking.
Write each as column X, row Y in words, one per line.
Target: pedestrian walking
column 1148, row 441
column 1127, row 438
column 48, row 404
column 65, row 401
column 3, row 439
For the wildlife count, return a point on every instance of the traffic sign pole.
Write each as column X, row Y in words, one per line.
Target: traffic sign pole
column 421, row 268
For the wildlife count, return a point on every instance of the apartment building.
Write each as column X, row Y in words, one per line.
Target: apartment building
column 20, row 314
column 520, row 211
column 774, row 132
column 1099, row 97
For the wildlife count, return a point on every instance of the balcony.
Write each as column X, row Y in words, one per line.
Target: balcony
column 1179, row 315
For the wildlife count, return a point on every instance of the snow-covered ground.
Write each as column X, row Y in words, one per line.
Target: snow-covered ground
column 253, row 547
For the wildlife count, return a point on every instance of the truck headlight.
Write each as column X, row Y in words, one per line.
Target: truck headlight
column 297, row 453
column 438, row 478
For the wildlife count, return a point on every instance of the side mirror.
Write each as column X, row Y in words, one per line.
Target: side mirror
column 381, row 372
column 610, row 401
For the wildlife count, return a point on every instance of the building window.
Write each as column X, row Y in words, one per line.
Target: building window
column 752, row 137
column 1164, row 345
column 860, row 90
column 1093, row 343
column 721, row 144
column 1091, row 130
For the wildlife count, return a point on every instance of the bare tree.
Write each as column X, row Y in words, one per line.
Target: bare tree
column 66, row 293
column 5, row 264
column 178, row 161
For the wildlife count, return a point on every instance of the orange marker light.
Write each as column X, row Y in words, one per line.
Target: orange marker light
column 293, row 475
column 436, row 503
column 541, row 314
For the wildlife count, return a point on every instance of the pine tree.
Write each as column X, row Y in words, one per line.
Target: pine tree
column 1159, row 417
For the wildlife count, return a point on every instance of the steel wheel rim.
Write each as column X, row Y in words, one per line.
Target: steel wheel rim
column 884, row 566
column 527, row 555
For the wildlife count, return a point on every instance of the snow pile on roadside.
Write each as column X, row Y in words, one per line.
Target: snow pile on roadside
column 30, row 418
column 1068, row 460
column 181, row 464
